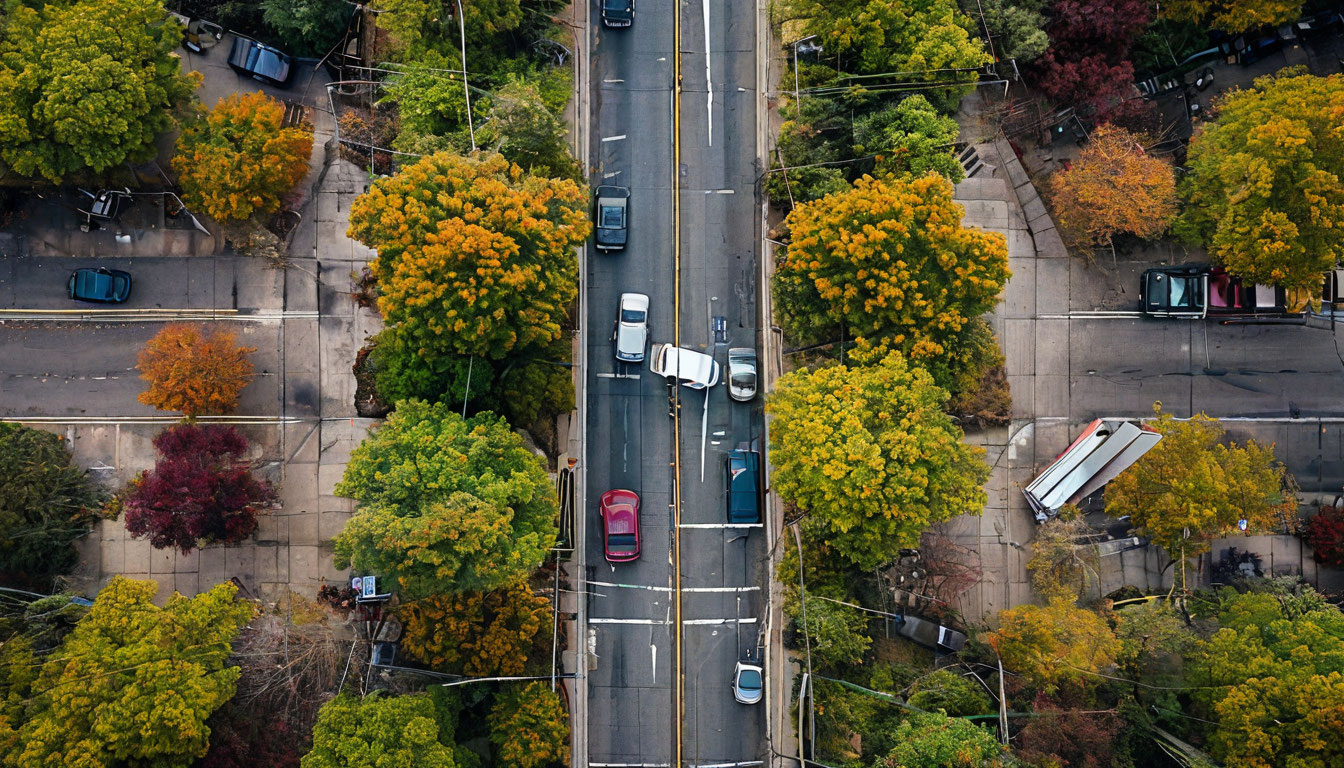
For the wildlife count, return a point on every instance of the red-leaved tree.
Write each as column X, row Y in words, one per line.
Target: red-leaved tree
column 199, row 492
column 1087, row 65
column 1325, row 534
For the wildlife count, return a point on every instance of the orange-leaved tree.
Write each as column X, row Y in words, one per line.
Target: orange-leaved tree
column 239, row 158
column 195, row 370
column 476, row 633
column 1055, row 644
column 1114, row 188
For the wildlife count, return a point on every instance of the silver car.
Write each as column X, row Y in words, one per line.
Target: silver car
column 632, row 327
column 748, row 683
column 742, row 373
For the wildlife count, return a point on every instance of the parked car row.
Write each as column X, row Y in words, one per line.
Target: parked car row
column 1194, row 291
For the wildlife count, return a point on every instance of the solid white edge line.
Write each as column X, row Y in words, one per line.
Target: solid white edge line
column 708, row 526
column 662, row 623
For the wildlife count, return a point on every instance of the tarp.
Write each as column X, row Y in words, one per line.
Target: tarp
column 1106, row 448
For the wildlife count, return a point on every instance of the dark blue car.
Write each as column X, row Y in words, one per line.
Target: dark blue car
column 744, row 478
column 101, row 285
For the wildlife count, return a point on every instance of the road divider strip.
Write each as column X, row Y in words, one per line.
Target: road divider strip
column 665, row 622
column 669, row 589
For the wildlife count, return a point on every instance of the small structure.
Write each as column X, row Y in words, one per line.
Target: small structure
column 1105, row 449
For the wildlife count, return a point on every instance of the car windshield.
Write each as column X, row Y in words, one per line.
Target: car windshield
column 744, row 380
column 632, row 316
column 621, row 542
column 749, row 680
column 1173, row 292
column 613, row 217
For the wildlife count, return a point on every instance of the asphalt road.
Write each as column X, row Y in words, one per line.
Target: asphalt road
column 632, row 706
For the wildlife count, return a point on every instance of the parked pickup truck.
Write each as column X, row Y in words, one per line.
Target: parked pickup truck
column 1195, row 292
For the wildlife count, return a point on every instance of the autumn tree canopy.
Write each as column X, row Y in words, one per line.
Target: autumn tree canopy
column 475, row 257
column 87, row 85
column 477, row 633
column 529, row 727
column 378, row 731
column 133, row 683
column 1114, row 187
column 888, row 263
column 47, row 503
column 200, row 491
column 197, row 370
column 1273, row 682
column 1233, row 16
column 1192, row 487
column 868, row 454
column 1265, row 192
column 446, row 504
column 1054, row 644
column 1087, row 65
column 239, row 158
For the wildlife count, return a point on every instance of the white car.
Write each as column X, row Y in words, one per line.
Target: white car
column 748, row 683
column 693, row 369
column 632, row 327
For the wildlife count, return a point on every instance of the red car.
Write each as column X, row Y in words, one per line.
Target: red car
column 620, row 526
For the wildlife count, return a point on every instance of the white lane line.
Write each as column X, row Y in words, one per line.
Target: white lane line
column 613, row 80
column 602, row 375
column 669, row 589
column 613, row 138
column 744, row 764
column 709, row 79
column 712, row 526
column 1098, row 314
column 629, row 765
column 661, row 623
column 653, row 660
column 611, row 175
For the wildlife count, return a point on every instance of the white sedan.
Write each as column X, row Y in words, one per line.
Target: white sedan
column 632, row 327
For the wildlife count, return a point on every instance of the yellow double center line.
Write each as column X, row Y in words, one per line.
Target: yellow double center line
column 676, row 410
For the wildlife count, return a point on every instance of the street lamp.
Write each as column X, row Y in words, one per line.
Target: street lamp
column 809, row 45
column 462, row 32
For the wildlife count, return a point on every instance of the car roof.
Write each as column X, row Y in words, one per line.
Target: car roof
column 634, row 301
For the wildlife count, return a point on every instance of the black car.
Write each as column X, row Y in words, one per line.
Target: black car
column 260, row 62
column 618, row 13
column 102, row 286
column 1181, row 291
column 610, row 216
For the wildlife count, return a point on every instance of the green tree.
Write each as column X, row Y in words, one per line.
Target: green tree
column 239, row 158
column 87, row 85
column 429, row 103
column 1234, row 16
column 307, row 27
column 46, row 505
column 1154, row 638
column 446, row 504
column 1191, row 488
column 869, row 456
column 1018, row 27
column 525, row 131
column 475, row 257
column 910, row 139
column 837, row 634
column 939, row 741
column 133, row 683
column 529, row 727
column 1265, row 192
column 893, row 35
column 889, row 264
column 1054, row 644
column 378, row 732
column 947, row 692
column 1274, row 684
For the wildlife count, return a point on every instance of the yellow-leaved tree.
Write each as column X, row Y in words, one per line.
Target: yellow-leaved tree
column 888, row 264
column 1265, row 191
column 868, row 454
column 1233, row 15
column 477, row 633
column 1192, row 487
